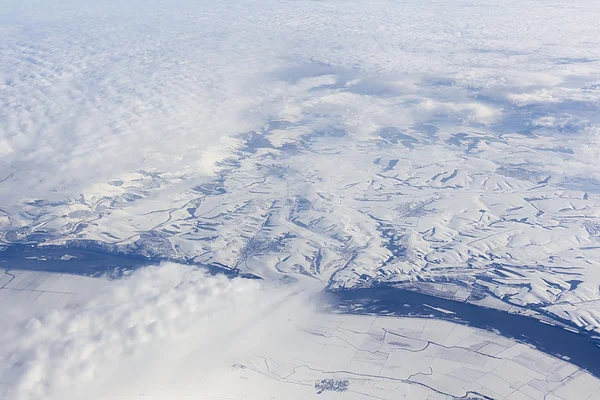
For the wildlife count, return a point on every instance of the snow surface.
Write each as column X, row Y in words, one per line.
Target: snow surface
column 172, row 332
column 447, row 146
column 351, row 141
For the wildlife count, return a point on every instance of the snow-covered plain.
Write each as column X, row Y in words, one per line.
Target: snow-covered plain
column 172, row 332
column 448, row 146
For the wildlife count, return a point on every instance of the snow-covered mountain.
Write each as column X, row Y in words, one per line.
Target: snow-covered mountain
column 451, row 148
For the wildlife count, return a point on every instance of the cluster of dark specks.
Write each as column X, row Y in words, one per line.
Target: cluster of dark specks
column 332, row 385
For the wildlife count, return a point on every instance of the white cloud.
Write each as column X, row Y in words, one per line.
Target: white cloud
column 156, row 330
column 475, row 112
column 94, row 89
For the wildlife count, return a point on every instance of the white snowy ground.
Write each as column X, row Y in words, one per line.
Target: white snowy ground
column 171, row 332
column 449, row 141
column 348, row 140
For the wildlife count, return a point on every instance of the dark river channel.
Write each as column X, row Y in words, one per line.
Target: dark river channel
column 581, row 349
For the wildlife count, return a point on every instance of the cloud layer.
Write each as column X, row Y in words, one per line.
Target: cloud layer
column 92, row 90
column 163, row 329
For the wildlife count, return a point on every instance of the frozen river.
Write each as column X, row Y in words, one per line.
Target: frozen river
column 581, row 349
